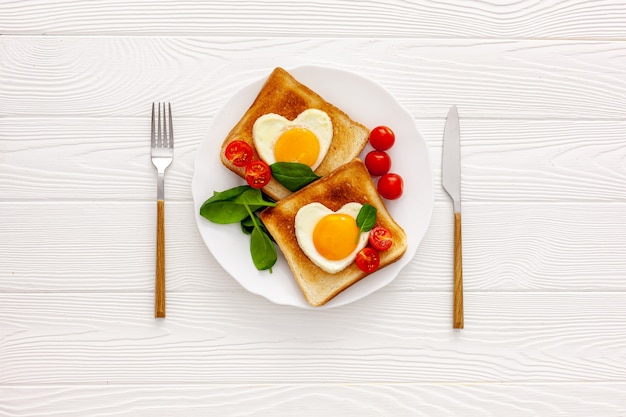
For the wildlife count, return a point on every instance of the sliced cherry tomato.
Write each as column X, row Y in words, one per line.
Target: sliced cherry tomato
column 390, row 186
column 367, row 259
column 382, row 138
column 380, row 238
column 258, row 174
column 238, row 152
column 378, row 162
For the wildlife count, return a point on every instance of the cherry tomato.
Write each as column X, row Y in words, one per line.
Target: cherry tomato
column 367, row 259
column 239, row 153
column 258, row 174
column 380, row 238
column 378, row 162
column 382, row 138
column 390, row 186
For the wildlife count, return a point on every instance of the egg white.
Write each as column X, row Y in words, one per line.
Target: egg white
column 267, row 129
column 307, row 218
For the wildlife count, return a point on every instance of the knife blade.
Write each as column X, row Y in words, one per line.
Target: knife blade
column 451, row 182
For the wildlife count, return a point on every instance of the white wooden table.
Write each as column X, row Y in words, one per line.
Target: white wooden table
column 541, row 88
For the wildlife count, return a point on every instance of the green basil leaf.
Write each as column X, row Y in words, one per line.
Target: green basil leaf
column 293, row 175
column 366, row 219
column 262, row 250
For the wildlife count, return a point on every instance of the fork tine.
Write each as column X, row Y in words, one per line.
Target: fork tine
column 152, row 130
column 164, row 137
column 159, row 136
column 170, row 142
column 162, row 132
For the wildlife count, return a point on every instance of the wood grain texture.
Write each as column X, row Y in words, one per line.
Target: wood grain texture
column 159, row 286
column 62, row 76
column 68, row 339
column 311, row 400
column 457, row 271
column 397, row 18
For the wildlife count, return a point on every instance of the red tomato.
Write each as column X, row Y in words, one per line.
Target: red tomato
column 367, row 259
column 378, row 162
column 390, row 186
column 258, row 174
column 380, row 238
column 239, row 153
column 382, row 138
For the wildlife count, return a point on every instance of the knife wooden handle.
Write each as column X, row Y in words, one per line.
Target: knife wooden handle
column 458, row 321
column 159, row 293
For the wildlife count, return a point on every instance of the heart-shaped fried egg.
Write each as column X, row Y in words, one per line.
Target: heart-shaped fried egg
column 305, row 139
column 330, row 239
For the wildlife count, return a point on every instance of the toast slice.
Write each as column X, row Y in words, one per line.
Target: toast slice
column 349, row 183
column 284, row 95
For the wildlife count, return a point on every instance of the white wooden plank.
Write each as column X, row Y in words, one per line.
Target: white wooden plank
column 541, row 87
column 113, row 76
column 109, row 247
column 424, row 19
column 529, row 247
column 312, row 400
column 109, row 159
column 97, row 338
column 503, row 160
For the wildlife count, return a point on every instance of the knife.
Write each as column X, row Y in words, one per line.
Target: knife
column 451, row 182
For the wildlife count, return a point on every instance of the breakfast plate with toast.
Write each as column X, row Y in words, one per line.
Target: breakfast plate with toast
column 337, row 108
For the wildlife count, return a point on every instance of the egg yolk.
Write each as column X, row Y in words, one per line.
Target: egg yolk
column 297, row 145
column 335, row 236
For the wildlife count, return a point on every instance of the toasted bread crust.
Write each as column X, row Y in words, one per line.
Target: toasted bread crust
column 349, row 183
column 284, row 95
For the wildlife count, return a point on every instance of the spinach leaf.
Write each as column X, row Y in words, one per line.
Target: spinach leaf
column 231, row 206
column 227, row 194
column 239, row 204
column 224, row 212
column 366, row 219
column 253, row 197
column 293, row 175
column 262, row 249
column 247, row 225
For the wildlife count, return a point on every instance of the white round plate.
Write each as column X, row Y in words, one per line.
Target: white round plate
column 364, row 101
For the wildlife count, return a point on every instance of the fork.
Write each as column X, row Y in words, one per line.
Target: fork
column 162, row 153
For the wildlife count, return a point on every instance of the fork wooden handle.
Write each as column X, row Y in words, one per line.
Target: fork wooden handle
column 458, row 320
column 159, row 294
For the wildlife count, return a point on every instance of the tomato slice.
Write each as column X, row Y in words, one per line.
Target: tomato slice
column 258, row 174
column 367, row 259
column 380, row 238
column 238, row 152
